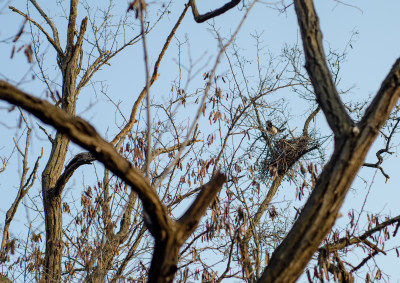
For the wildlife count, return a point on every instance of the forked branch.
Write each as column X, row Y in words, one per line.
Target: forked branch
column 169, row 235
column 317, row 68
column 154, row 76
column 55, row 44
column 86, row 136
column 351, row 147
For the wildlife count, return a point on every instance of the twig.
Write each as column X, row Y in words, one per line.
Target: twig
column 153, row 78
column 49, row 22
column 202, row 103
column 52, row 42
column 142, row 9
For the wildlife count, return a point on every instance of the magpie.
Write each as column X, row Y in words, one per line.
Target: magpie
column 271, row 129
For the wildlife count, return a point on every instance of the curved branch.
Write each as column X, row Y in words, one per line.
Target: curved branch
column 313, row 114
column 321, row 78
column 49, row 22
column 345, row 241
column 377, row 166
column 202, row 18
column 52, row 42
column 351, row 146
column 153, row 78
column 86, row 136
column 79, row 160
column 169, row 235
column 383, row 150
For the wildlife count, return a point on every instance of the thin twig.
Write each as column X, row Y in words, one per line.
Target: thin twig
column 52, row 42
column 202, row 103
column 148, row 102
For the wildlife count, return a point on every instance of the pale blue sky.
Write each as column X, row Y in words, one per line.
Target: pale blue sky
column 375, row 49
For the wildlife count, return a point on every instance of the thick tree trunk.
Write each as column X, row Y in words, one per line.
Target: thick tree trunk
column 51, row 193
column 165, row 260
column 52, row 209
column 168, row 233
column 352, row 142
column 54, row 245
column 51, row 190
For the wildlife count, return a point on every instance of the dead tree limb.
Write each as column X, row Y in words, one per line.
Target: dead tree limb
column 352, row 142
column 202, row 18
column 169, row 234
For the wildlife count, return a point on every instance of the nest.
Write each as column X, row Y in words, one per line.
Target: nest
column 283, row 154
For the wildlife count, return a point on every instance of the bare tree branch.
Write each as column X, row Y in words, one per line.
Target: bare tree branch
column 153, row 78
column 86, row 136
column 202, row 18
column 25, row 185
column 345, row 241
column 52, row 42
column 159, row 151
column 307, row 123
column 74, row 164
column 321, row 78
column 166, row 250
column 383, row 150
column 351, row 147
column 205, row 95
column 169, row 235
column 207, row 194
column 141, row 10
column 49, row 22
column 129, row 256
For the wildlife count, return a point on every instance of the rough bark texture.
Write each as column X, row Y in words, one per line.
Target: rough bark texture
column 113, row 242
column 352, row 142
column 254, row 221
column 86, row 136
column 169, row 234
column 166, row 251
column 68, row 63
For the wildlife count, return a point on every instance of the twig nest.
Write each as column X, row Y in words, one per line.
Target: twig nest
column 283, row 154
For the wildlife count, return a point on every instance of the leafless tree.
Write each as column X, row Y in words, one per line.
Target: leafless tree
column 174, row 190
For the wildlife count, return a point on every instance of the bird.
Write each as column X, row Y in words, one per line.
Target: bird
column 271, row 129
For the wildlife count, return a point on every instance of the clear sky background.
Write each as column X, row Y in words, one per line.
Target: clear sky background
column 374, row 50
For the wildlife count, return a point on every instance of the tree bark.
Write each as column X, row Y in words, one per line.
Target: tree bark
column 352, row 142
column 68, row 63
column 169, row 234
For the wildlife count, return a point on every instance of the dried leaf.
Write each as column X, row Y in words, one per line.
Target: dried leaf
column 29, row 53
column 18, row 35
column 138, row 6
column 378, row 274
